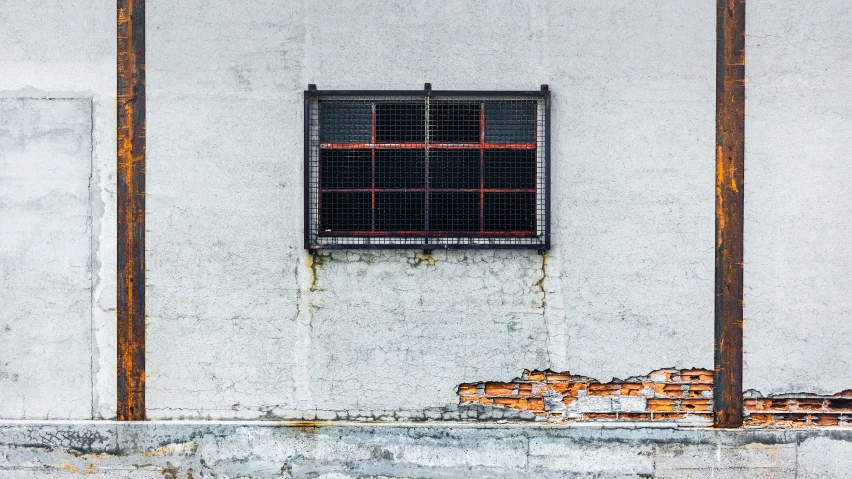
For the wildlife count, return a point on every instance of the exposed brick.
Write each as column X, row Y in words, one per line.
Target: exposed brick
column 600, row 415
column 704, row 375
column 568, row 388
column 514, row 403
column 662, row 375
column 778, row 405
column 554, row 376
column 666, row 394
column 674, row 390
column 755, row 420
column 658, row 416
column 839, row 405
column 525, row 389
column 634, row 416
column 700, row 390
column 535, row 404
column 631, row 389
column 825, row 419
column 806, row 404
column 605, row 389
column 696, row 405
column 500, row 389
column 790, row 420
column 662, row 404
column 468, row 389
column 475, row 400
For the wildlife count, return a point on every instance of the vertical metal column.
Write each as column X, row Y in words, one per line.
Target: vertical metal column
column 131, row 210
column 730, row 153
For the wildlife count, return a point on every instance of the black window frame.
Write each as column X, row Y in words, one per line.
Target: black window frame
column 540, row 240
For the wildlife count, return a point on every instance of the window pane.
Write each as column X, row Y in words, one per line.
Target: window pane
column 509, row 211
column 510, row 121
column 453, row 121
column 400, row 168
column 346, row 168
column 454, row 169
column 345, row 121
column 345, row 212
column 454, row 212
column 401, row 122
column 509, row 169
column 400, row 211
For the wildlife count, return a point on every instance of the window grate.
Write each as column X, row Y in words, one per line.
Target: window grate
column 426, row 169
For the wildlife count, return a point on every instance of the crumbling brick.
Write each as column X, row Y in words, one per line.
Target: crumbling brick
column 806, row 404
column 467, row 389
column 839, row 405
column 683, row 395
column 825, row 419
column 512, row 402
column 634, row 416
column 696, row 405
column 600, row 415
column 660, row 404
column 500, row 389
column 606, row 389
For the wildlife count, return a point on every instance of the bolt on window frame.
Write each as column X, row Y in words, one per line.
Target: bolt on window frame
column 536, row 238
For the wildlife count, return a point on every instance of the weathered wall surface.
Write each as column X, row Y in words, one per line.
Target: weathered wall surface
column 45, row 271
column 57, row 214
column 344, row 451
column 798, row 291
column 243, row 323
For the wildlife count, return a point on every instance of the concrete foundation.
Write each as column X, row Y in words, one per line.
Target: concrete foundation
column 183, row 450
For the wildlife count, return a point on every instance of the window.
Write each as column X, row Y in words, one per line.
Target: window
column 427, row 169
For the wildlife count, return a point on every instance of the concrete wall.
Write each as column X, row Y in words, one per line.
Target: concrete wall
column 798, row 291
column 244, row 323
column 343, row 451
column 45, row 264
column 57, row 213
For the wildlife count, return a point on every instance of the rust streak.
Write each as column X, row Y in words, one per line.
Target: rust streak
column 730, row 153
column 131, row 210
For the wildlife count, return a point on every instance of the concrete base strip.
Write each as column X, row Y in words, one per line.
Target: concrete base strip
column 333, row 450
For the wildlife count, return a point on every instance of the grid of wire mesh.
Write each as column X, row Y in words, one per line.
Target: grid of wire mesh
column 426, row 170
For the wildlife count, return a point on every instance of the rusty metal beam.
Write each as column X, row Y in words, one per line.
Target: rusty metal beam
column 131, row 210
column 730, row 152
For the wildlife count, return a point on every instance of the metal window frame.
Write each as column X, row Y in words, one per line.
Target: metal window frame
column 312, row 93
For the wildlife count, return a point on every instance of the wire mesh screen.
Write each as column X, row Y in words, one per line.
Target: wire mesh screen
column 420, row 169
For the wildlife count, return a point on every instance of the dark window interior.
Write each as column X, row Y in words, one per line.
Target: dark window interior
column 454, row 122
column 454, row 167
column 346, row 169
column 400, row 122
column 400, row 168
column 400, row 211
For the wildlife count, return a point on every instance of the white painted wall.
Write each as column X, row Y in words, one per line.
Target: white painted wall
column 45, row 270
column 241, row 326
column 57, row 213
column 243, row 323
column 798, row 287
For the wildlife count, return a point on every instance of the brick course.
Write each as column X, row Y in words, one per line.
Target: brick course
column 557, row 397
column 683, row 395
